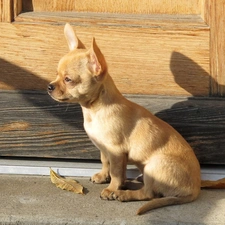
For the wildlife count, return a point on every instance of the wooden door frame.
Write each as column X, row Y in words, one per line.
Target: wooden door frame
column 9, row 9
column 213, row 15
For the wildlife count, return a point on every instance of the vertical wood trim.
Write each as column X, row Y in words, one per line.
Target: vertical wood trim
column 17, row 7
column 6, row 10
column 204, row 10
column 214, row 16
column 1, row 10
column 9, row 9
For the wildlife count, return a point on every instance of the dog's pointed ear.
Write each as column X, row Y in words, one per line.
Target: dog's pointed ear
column 96, row 64
column 71, row 37
column 72, row 40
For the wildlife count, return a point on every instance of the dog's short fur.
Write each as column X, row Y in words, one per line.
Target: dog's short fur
column 125, row 132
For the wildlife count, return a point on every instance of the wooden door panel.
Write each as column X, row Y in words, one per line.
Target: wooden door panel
column 143, row 63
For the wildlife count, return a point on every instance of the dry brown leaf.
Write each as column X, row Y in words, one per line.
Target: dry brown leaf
column 218, row 184
column 65, row 183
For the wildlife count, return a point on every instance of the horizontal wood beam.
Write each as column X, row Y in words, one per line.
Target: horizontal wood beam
column 33, row 125
column 116, row 6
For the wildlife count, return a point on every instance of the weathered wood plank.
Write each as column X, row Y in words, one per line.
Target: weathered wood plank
column 170, row 55
column 33, row 125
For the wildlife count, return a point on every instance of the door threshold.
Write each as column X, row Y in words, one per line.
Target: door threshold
column 64, row 168
column 83, row 169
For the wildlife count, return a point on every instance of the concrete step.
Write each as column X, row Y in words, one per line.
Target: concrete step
column 35, row 200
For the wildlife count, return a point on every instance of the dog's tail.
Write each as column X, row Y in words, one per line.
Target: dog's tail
column 164, row 201
column 217, row 184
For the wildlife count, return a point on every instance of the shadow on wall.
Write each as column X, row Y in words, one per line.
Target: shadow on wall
column 20, row 79
column 24, row 81
column 189, row 75
column 34, row 125
column 201, row 121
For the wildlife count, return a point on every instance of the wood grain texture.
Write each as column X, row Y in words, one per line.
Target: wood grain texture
column 9, row 10
column 214, row 16
column 116, row 6
column 168, row 57
column 6, row 10
column 33, row 125
column 17, row 7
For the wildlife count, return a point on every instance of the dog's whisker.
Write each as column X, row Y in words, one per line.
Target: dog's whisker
column 67, row 107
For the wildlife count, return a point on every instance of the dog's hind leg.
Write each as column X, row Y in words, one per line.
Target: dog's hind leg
column 144, row 193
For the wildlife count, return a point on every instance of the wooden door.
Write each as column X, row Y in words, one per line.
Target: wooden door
column 153, row 47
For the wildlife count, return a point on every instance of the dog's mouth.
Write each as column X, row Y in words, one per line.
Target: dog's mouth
column 59, row 99
column 64, row 100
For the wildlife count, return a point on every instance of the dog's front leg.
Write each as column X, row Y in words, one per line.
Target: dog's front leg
column 103, row 176
column 118, row 176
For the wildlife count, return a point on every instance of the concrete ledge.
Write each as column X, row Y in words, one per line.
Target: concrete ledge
column 35, row 200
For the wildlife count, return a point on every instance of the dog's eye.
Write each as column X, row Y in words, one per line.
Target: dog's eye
column 67, row 79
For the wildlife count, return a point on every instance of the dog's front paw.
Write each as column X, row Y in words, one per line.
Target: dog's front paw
column 100, row 178
column 107, row 194
column 121, row 195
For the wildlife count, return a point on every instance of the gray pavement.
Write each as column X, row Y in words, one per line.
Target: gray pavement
column 35, row 200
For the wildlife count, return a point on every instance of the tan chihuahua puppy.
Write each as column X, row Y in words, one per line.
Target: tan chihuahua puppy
column 125, row 132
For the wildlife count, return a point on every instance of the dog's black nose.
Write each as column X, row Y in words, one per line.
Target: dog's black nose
column 51, row 87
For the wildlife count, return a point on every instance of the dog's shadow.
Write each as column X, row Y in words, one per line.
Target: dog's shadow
column 189, row 75
column 198, row 119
